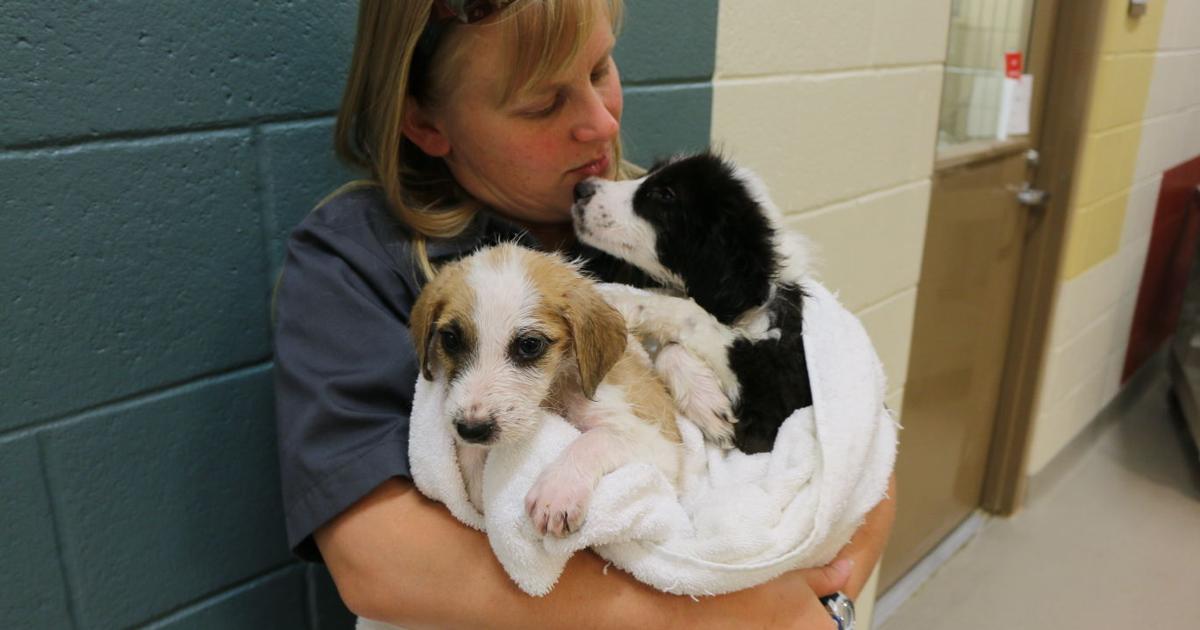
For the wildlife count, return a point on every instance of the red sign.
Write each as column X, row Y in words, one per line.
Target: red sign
column 1013, row 65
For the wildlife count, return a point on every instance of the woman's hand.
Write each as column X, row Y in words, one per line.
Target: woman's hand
column 830, row 578
column 788, row 601
column 852, row 568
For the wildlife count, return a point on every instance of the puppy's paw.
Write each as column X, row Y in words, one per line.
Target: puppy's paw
column 557, row 503
column 716, row 423
column 698, row 394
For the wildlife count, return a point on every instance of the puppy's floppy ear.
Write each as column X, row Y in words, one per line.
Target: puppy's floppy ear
column 423, row 327
column 598, row 333
column 659, row 163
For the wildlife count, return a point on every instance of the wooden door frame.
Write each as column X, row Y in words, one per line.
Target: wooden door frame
column 1076, row 30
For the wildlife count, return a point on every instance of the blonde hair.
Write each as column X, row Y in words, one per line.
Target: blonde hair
column 419, row 189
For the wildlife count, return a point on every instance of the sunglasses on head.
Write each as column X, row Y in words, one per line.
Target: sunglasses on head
column 463, row 11
column 467, row 11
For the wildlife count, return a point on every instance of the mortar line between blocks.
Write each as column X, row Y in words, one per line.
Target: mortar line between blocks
column 215, row 596
column 681, row 82
column 268, row 226
column 69, row 143
column 827, row 74
column 867, row 196
column 894, row 295
column 69, row 592
column 134, row 399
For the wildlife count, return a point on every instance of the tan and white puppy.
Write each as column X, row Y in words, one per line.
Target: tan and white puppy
column 515, row 333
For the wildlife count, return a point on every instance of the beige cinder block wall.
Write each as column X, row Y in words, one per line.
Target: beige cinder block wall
column 1144, row 119
column 835, row 104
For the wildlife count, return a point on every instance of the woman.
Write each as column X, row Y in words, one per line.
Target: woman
column 469, row 137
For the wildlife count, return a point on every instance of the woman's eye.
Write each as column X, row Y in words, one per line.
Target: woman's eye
column 600, row 72
column 531, row 347
column 548, row 110
column 451, row 342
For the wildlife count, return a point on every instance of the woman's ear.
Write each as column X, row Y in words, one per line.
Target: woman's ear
column 423, row 130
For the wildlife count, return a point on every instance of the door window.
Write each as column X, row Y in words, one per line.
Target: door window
column 974, row 93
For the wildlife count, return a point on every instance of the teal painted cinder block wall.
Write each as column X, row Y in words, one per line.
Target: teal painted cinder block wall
column 666, row 55
column 152, row 162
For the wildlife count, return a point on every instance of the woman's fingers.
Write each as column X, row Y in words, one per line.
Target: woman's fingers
column 830, row 578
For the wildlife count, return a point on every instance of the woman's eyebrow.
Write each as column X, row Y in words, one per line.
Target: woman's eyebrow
column 607, row 52
column 554, row 86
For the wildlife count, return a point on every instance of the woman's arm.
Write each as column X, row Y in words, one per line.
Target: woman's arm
column 866, row 547
column 403, row 559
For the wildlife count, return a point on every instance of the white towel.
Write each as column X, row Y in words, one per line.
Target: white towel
column 738, row 520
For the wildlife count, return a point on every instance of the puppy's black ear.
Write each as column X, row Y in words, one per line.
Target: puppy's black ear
column 667, row 161
column 423, row 328
column 598, row 333
column 659, row 163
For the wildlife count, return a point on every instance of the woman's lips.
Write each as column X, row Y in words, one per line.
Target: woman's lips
column 595, row 168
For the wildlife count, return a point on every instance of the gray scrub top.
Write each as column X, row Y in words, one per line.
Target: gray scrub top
column 345, row 367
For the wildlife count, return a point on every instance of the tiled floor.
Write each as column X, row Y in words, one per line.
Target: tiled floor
column 1111, row 542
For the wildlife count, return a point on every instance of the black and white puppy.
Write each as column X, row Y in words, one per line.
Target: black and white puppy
column 706, row 229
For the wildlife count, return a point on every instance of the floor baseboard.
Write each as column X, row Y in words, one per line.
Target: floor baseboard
column 905, row 587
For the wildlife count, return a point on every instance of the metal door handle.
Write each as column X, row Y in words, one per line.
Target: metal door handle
column 1032, row 197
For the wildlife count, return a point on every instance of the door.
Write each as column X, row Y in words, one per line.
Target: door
column 982, row 210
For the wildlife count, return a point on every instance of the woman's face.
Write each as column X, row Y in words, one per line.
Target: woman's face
column 523, row 158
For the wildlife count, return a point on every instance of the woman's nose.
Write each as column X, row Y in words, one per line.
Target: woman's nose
column 598, row 122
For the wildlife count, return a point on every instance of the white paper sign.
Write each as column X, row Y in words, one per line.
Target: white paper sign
column 1016, row 99
column 1018, row 122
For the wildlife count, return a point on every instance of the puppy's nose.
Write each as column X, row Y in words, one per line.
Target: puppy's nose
column 476, row 431
column 584, row 191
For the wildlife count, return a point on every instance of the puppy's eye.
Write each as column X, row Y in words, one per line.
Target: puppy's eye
column 662, row 194
column 530, row 347
column 451, row 342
